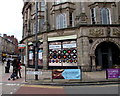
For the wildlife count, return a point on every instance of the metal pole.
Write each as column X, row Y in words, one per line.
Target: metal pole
column 36, row 40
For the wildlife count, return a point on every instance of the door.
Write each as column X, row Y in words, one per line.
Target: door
column 107, row 55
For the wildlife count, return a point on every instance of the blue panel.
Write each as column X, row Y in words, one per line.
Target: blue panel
column 71, row 74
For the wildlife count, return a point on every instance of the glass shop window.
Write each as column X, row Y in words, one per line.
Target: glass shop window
column 40, row 55
column 31, row 55
column 63, row 53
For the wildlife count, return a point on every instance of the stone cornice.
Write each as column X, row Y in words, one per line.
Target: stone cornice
column 72, row 28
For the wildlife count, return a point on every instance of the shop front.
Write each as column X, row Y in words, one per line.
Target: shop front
column 62, row 52
column 31, row 55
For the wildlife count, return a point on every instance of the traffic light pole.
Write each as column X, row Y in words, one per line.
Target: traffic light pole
column 36, row 40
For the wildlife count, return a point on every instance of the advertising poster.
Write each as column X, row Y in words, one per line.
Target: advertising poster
column 30, row 55
column 66, row 74
column 40, row 57
column 113, row 73
column 31, row 58
column 40, row 54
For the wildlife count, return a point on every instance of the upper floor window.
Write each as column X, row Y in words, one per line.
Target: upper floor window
column 105, row 16
column 43, row 5
column 70, row 19
column 61, row 21
column 93, row 15
column 60, row 1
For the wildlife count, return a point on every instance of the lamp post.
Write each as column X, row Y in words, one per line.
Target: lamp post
column 36, row 40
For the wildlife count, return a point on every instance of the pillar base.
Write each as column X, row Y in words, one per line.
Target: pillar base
column 86, row 68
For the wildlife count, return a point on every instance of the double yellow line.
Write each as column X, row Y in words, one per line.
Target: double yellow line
column 42, row 86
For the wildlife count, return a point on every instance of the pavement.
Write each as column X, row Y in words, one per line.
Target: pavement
column 88, row 78
column 45, row 78
column 28, row 85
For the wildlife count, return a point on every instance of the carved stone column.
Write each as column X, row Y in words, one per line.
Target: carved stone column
column 93, row 63
column 79, row 52
column 85, row 57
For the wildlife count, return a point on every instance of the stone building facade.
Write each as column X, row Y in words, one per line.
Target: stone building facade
column 9, row 46
column 85, row 34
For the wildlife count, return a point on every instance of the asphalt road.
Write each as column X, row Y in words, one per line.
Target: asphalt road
column 42, row 89
column 99, row 89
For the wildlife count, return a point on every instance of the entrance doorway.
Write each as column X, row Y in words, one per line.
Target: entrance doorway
column 107, row 55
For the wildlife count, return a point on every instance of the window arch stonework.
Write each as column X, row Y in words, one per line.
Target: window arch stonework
column 98, row 41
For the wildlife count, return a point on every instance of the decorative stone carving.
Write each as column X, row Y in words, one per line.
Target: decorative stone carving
column 116, row 31
column 60, row 33
column 96, row 32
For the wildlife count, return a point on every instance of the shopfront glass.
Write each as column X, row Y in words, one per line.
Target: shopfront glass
column 63, row 53
column 40, row 55
column 32, row 55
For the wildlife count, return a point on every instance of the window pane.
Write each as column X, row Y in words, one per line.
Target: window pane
column 69, row 53
column 31, row 55
column 93, row 15
column 61, row 21
column 42, row 5
column 40, row 55
column 105, row 16
column 63, row 53
column 55, row 54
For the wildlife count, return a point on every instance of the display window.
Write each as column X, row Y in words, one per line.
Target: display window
column 31, row 55
column 40, row 55
column 63, row 53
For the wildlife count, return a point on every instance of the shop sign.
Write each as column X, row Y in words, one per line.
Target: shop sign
column 113, row 73
column 62, row 38
column 69, row 45
column 66, row 74
column 54, row 46
column 34, row 72
column 21, row 46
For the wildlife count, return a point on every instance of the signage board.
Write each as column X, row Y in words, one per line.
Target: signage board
column 34, row 72
column 113, row 73
column 20, row 46
column 54, row 46
column 66, row 74
column 73, row 45
column 62, row 38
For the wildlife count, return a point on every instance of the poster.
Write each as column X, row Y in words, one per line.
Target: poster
column 40, row 54
column 113, row 73
column 30, row 55
column 66, row 74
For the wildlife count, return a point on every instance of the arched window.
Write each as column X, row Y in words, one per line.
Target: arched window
column 61, row 21
column 60, row 1
column 105, row 16
column 42, row 5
